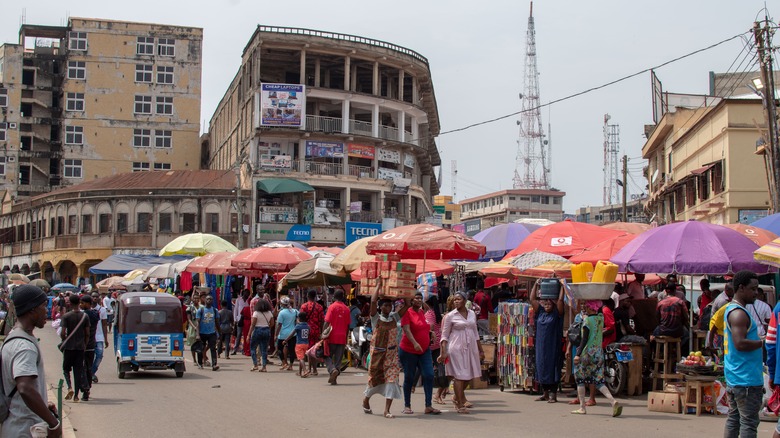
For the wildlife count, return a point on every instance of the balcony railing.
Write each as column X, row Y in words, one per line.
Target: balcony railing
column 357, row 127
column 361, row 171
column 323, row 124
column 324, row 168
column 388, row 132
column 361, row 128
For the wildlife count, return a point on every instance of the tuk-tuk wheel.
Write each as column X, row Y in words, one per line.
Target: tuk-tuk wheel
column 120, row 374
column 179, row 373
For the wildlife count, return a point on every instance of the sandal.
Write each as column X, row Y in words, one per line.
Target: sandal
column 468, row 404
column 254, row 368
column 590, row 403
column 438, row 400
column 367, row 410
column 389, row 415
column 407, row 411
column 432, row 411
column 576, row 401
column 552, row 400
column 463, row 411
column 542, row 398
column 579, row 411
column 305, row 375
column 617, row 409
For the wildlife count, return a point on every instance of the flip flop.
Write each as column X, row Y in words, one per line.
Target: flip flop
column 579, row 412
column 468, row 405
column 388, row 415
column 463, row 411
column 576, row 401
column 541, row 398
column 617, row 410
column 590, row 403
column 407, row 411
column 552, row 400
column 433, row 411
column 367, row 410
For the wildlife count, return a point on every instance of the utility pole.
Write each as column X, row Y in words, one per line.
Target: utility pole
column 763, row 39
column 625, row 188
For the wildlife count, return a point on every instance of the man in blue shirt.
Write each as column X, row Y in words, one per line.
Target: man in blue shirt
column 208, row 328
column 744, row 364
column 285, row 325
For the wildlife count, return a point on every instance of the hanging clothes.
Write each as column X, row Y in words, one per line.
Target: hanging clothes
column 185, row 281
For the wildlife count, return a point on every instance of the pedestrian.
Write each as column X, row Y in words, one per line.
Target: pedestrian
column 285, row 328
column 89, row 352
column 416, row 353
column 241, row 302
column 461, row 351
column 301, row 334
column 482, row 299
column 335, row 331
column 109, row 304
column 383, row 369
column 262, row 322
column 549, row 333
column 743, row 360
column 196, row 347
column 315, row 312
column 225, row 328
column 74, row 335
column 246, row 328
column 23, row 374
column 208, row 329
column 589, row 358
column 101, row 340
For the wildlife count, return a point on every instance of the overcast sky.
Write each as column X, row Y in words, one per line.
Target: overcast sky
column 476, row 53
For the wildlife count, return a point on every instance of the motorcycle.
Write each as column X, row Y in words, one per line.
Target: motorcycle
column 617, row 355
column 359, row 345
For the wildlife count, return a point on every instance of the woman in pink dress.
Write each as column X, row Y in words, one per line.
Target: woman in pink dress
column 460, row 348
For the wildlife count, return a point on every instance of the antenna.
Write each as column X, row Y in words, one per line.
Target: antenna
column 454, row 177
column 610, row 164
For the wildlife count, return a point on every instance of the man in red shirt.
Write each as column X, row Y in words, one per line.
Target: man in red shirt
column 706, row 295
column 337, row 320
column 609, row 332
column 482, row 299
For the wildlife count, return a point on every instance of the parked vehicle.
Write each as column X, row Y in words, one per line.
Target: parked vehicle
column 148, row 333
column 617, row 355
column 359, row 345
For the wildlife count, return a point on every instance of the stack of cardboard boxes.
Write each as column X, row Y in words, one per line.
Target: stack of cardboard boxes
column 398, row 279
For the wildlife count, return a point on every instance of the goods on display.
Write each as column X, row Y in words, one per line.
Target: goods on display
column 589, row 283
column 516, row 360
column 398, row 279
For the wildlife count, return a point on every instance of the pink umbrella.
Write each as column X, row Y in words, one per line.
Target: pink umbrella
column 269, row 259
column 202, row 263
column 425, row 241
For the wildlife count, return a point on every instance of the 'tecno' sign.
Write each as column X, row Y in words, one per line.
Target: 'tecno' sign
column 358, row 230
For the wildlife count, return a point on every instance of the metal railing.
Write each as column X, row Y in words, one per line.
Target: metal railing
column 323, row 124
column 388, row 132
column 361, row 128
column 324, row 168
column 361, row 171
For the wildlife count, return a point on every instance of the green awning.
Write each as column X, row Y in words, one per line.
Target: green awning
column 283, row 185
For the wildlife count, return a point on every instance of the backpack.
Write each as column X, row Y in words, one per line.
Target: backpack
column 575, row 333
column 5, row 399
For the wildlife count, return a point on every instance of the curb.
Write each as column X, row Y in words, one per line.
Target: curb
column 67, row 428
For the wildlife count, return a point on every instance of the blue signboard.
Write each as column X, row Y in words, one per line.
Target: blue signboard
column 358, row 230
column 299, row 233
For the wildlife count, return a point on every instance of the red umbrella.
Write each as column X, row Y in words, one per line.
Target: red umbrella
column 335, row 250
column 628, row 227
column 604, row 250
column 565, row 238
column 222, row 266
column 758, row 235
column 424, row 241
column 269, row 259
column 437, row 267
column 202, row 263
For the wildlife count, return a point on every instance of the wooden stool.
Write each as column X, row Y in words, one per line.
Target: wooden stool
column 664, row 362
column 634, row 386
column 694, row 393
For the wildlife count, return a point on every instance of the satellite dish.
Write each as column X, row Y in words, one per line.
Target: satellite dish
column 654, row 177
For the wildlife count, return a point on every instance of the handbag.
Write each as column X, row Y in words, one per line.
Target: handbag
column 316, row 353
column 61, row 345
column 440, row 379
column 773, row 404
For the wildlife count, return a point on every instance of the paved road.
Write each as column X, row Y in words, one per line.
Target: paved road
column 235, row 402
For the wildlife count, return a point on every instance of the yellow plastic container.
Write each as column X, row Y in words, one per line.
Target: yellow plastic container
column 580, row 271
column 605, row 272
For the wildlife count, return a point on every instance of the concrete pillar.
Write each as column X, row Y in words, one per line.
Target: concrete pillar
column 409, row 208
column 415, row 95
column 302, row 155
column 347, row 200
column 317, row 72
column 381, row 209
column 375, row 81
column 345, row 162
column 375, row 121
column 347, row 71
column 375, row 165
column 303, row 67
column 400, row 84
column 415, row 131
column 353, row 76
column 401, row 125
column 345, row 117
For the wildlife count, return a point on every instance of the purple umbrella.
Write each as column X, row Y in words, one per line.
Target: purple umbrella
column 503, row 238
column 689, row 248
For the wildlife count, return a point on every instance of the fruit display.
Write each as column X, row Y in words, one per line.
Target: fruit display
column 698, row 363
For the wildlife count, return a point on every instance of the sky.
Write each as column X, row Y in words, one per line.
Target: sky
column 476, row 55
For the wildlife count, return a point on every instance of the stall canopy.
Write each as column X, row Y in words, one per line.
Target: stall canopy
column 124, row 263
column 283, row 185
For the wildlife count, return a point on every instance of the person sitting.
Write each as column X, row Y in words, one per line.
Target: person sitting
column 673, row 320
column 623, row 318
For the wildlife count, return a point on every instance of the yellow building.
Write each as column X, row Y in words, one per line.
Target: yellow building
column 702, row 163
column 97, row 98
column 449, row 211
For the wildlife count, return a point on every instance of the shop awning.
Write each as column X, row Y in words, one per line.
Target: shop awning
column 702, row 169
column 124, row 263
column 283, row 185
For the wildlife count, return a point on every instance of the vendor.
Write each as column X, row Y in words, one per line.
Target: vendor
column 635, row 289
column 673, row 319
column 623, row 318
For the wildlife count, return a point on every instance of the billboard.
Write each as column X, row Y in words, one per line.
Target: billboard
column 295, row 233
column 276, row 162
column 388, row 155
column 282, row 105
column 324, row 149
column 358, row 230
column 473, row 227
column 360, row 151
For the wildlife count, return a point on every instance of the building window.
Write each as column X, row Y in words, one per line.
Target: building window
column 77, row 70
column 121, row 223
column 718, row 182
column 704, row 186
column 448, row 215
column 162, row 138
column 3, row 97
column 86, row 224
column 143, row 73
column 557, row 200
column 536, row 199
column 162, row 166
column 164, row 105
column 188, row 223
column 144, row 46
column 104, row 223
column 143, row 104
column 165, row 221
column 140, row 167
column 74, row 102
column 212, row 222
column 77, row 41
column 142, row 138
column 166, row 47
column 72, row 169
column 164, row 75
column 2, row 166
column 73, row 224
column 74, row 135
column 144, row 223
column 3, row 131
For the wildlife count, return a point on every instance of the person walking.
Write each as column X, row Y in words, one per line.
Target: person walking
column 23, row 374
column 416, row 353
column 241, row 335
column 743, row 360
column 285, row 326
column 461, row 351
column 301, row 335
column 101, row 340
column 196, row 347
column 261, row 323
column 109, row 303
column 208, row 329
column 89, row 352
column 549, row 333
column 74, row 335
column 315, row 312
column 225, row 328
column 335, row 331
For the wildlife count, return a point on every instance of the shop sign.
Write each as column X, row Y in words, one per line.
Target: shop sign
column 360, row 151
column 747, row 217
column 355, row 207
column 384, row 173
column 473, row 227
column 276, row 162
column 409, row 160
column 324, row 149
column 358, row 230
column 282, row 104
column 295, row 233
column 441, row 209
column 388, row 155
column 459, row 228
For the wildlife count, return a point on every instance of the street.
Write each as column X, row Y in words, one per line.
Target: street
column 236, row 402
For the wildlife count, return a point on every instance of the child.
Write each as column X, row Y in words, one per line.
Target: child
column 301, row 334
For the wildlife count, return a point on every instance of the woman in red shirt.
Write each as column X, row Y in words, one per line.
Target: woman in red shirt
column 416, row 353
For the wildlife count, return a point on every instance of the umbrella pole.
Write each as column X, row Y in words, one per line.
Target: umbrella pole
column 425, row 255
column 691, row 334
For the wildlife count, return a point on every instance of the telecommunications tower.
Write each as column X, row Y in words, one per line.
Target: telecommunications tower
column 533, row 162
column 611, row 150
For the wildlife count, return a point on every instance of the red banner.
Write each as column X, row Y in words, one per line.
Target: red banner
column 360, row 151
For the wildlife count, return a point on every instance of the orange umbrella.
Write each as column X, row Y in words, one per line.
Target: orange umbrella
column 424, row 241
column 437, row 267
column 604, row 250
column 628, row 227
column 269, row 259
column 222, row 266
column 202, row 263
column 565, row 239
column 758, row 235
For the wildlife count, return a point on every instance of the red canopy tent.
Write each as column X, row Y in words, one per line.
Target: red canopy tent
column 565, row 239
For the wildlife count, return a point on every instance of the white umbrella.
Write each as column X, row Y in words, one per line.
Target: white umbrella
column 167, row 270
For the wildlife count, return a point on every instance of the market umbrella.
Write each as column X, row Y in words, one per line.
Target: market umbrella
column 203, row 262
column 41, row 283
column 269, row 259
column 283, row 185
column 197, row 244
column 424, row 241
column 628, row 227
column 565, row 238
column 355, row 253
column 535, row 221
column 758, row 235
column 541, row 264
column 769, row 254
column 284, row 244
column 315, row 272
column 503, row 238
column 604, row 250
column 222, row 266
column 109, row 282
column 437, row 267
column 500, row 269
column 770, row 223
column 20, row 278
column 164, row 270
column 135, row 273
column 689, row 248
column 334, row 250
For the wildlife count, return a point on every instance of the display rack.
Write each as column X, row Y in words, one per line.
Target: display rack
column 515, row 358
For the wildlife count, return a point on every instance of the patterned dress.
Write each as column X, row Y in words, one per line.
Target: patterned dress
column 383, row 369
column 591, row 367
column 315, row 312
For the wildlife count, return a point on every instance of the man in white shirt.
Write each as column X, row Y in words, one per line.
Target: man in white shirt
column 241, row 302
column 760, row 312
column 101, row 340
column 108, row 303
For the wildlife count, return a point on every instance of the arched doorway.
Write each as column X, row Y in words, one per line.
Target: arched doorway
column 47, row 272
column 68, row 272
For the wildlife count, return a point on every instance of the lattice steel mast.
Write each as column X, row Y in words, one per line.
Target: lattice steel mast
column 611, row 150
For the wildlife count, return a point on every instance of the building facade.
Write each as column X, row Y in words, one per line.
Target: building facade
column 446, row 211
column 351, row 118
column 63, row 233
column 605, row 214
column 97, row 98
column 510, row 205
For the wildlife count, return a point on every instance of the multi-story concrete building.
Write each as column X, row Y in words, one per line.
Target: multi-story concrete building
column 347, row 123
column 509, row 205
column 96, row 98
column 605, row 214
column 448, row 210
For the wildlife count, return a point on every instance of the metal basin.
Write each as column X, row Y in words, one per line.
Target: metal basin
column 591, row 291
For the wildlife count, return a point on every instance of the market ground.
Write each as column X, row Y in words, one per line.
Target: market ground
column 235, row 402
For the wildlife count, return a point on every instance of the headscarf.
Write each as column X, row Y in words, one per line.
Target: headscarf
column 594, row 305
column 462, row 294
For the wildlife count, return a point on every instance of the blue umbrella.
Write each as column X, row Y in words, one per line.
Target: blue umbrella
column 503, row 238
column 769, row 223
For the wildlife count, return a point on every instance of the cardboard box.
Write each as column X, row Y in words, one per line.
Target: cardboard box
column 369, row 269
column 493, row 323
column 398, row 292
column 388, row 258
column 403, row 275
column 400, row 282
column 404, row 267
column 675, row 387
column 664, row 402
